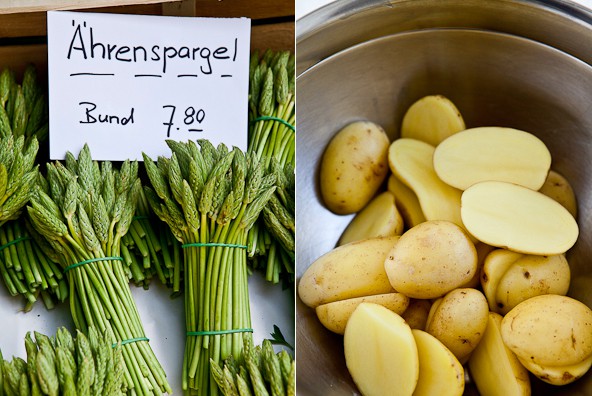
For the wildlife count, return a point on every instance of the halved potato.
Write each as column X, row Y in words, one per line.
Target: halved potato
column 492, row 153
column 440, row 372
column 334, row 315
column 411, row 161
column 517, row 218
column 557, row 187
column 432, row 119
column 380, row 352
column 406, row 202
column 379, row 218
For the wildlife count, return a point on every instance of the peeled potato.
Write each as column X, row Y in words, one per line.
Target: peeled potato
column 334, row 315
column 379, row 218
column 411, row 161
column 352, row 270
column 549, row 330
column 517, row 218
column 494, row 367
column 353, row 167
column 380, row 352
column 459, row 320
column 432, row 119
column 440, row 372
column 557, row 187
column 406, row 202
column 492, row 153
column 431, row 259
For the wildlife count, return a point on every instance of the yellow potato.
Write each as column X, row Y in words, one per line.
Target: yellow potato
column 411, row 161
column 483, row 250
column 431, row 259
column 561, row 375
column 353, row 167
column 459, row 320
column 549, row 330
column 494, row 368
column 517, row 218
column 406, row 202
column 352, row 270
column 432, row 119
column 416, row 314
column 334, row 315
column 492, row 153
column 380, row 352
column 440, row 372
column 531, row 276
column 557, row 187
column 379, row 218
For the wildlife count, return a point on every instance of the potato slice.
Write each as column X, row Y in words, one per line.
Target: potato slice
column 432, row 119
column 380, row 352
column 406, row 202
column 492, row 153
column 459, row 320
column 557, row 187
column 379, row 218
column 517, row 218
column 334, row 315
column 353, row 167
column 411, row 161
column 440, row 372
column 561, row 375
column 549, row 330
column 494, row 367
column 352, row 270
column 431, row 259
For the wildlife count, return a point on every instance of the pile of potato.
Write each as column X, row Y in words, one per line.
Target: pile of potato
column 460, row 264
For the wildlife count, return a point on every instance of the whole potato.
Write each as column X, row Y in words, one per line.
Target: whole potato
column 431, row 259
column 459, row 320
column 353, row 167
column 549, row 330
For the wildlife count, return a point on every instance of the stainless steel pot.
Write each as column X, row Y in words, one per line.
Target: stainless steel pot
column 522, row 64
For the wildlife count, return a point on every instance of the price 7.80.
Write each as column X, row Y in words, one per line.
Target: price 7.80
column 192, row 119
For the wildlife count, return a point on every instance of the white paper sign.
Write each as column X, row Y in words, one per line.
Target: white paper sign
column 124, row 84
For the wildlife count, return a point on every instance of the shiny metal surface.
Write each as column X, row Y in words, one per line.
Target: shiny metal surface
column 522, row 64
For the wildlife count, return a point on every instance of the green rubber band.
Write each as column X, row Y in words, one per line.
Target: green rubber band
column 124, row 342
column 269, row 118
column 232, row 245
column 68, row 268
column 140, row 217
column 216, row 332
column 17, row 240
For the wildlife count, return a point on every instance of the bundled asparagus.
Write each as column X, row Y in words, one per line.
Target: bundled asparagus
column 27, row 269
column 83, row 215
column 210, row 197
column 63, row 365
column 260, row 372
column 150, row 249
column 272, row 136
column 23, row 107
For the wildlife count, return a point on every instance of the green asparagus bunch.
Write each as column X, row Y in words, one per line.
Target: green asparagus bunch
column 23, row 107
column 26, row 267
column 65, row 366
column 260, row 372
column 272, row 137
column 210, row 197
column 150, row 249
column 82, row 211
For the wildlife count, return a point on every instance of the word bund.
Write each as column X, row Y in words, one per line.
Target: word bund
column 124, row 84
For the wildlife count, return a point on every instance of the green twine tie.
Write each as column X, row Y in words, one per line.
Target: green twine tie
column 270, row 118
column 216, row 332
column 199, row 244
column 72, row 266
column 124, row 342
column 17, row 240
